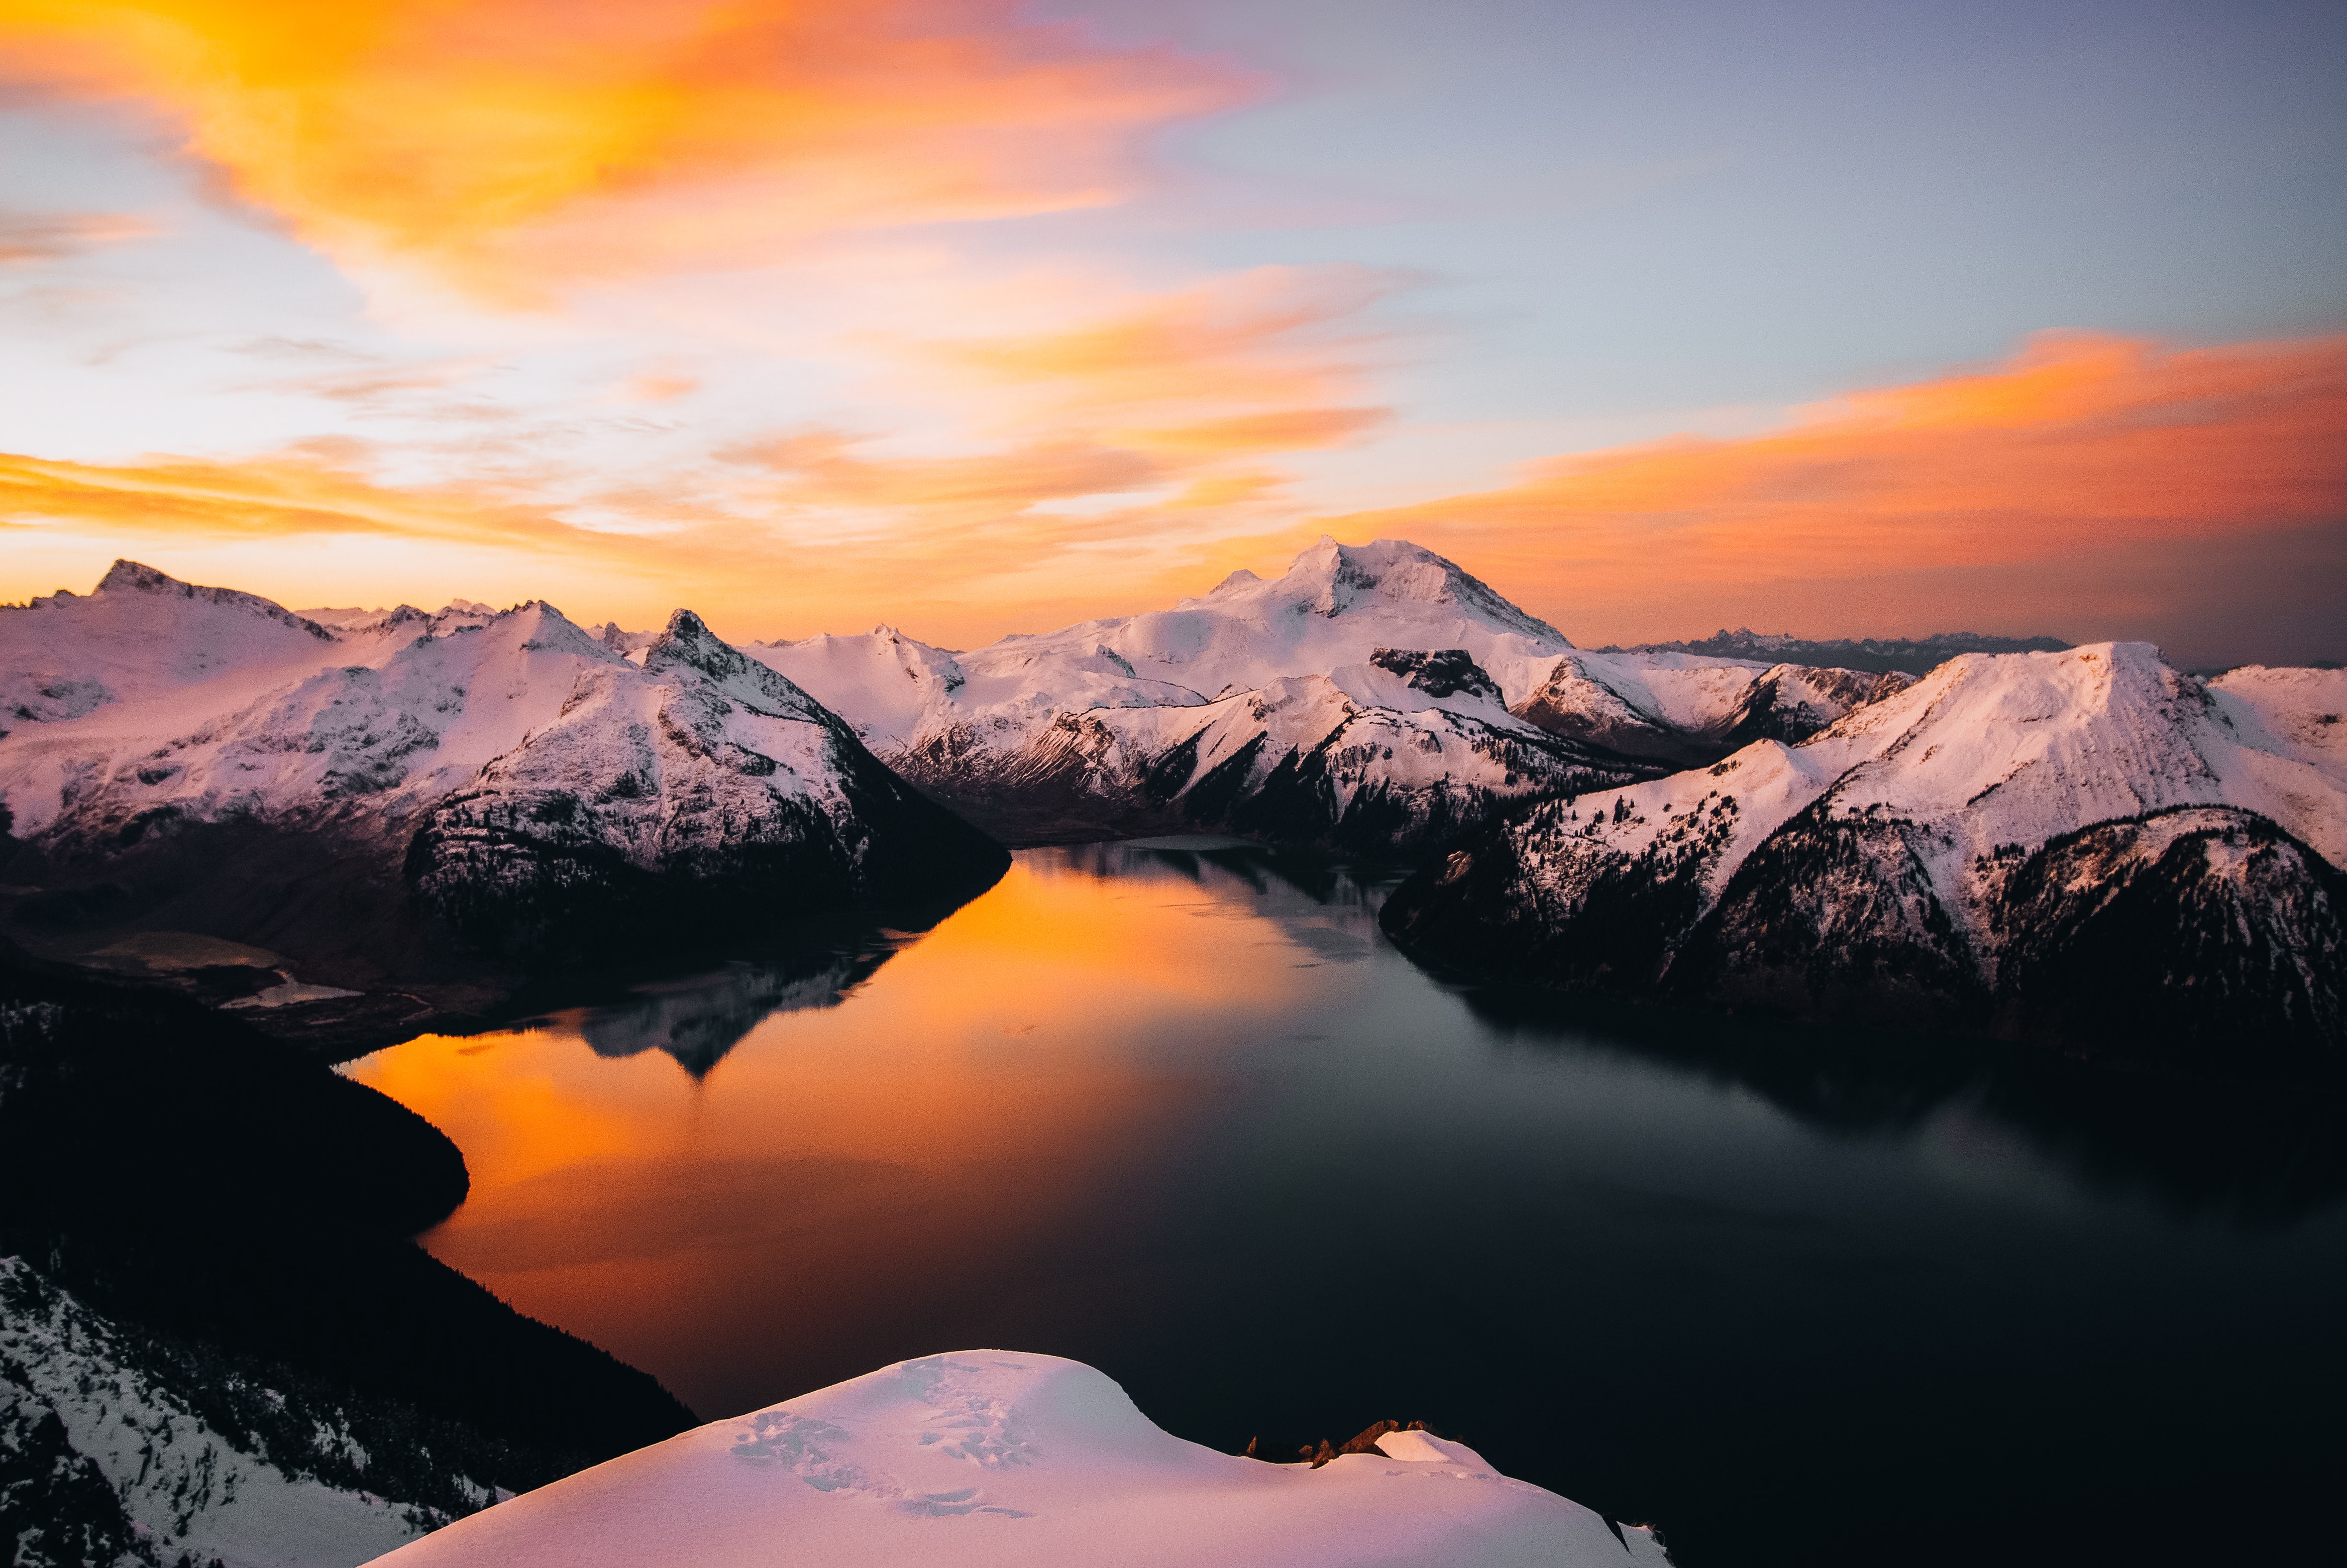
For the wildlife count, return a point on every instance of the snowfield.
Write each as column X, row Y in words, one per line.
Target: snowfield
column 984, row 1458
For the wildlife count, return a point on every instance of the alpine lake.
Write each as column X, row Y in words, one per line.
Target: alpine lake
column 1175, row 1108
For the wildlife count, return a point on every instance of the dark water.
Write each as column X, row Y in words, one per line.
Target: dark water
column 1181, row 1114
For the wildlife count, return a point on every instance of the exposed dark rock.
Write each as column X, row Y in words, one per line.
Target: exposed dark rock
column 1792, row 704
column 2185, row 932
column 1442, row 672
column 1274, row 1452
column 1592, row 921
column 1833, row 917
column 57, row 1510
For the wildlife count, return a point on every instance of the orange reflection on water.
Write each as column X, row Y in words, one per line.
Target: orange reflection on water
column 979, row 1088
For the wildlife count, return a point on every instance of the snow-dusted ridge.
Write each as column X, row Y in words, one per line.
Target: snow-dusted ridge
column 984, row 1458
column 512, row 773
column 111, row 1464
column 1374, row 698
column 2083, row 846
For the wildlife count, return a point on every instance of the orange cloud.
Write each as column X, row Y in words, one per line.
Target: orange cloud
column 1983, row 496
column 955, row 547
column 823, row 471
column 270, row 496
column 660, row 387
column 1267, row 337
column 510, row 145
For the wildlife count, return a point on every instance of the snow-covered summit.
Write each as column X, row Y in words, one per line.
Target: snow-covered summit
column 1336, row 605
column 1391, row 580
column 985, row 1458
column 140, row 634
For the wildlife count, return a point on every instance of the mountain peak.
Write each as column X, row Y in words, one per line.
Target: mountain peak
column 689, row 642
column 132, row 576
column 1337, row 577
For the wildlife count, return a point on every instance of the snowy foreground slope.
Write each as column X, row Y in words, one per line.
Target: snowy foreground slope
column 506, row 772
column 109, row 1465
column 1373, row 698
column 985, row 1458
column 2086, row 847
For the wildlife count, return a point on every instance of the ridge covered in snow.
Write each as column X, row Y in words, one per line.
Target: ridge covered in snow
column 112, row 1465
column 1373, row 697
column 511, row 771
column 982, row 1458
column 141, row 635
column 2052, row 845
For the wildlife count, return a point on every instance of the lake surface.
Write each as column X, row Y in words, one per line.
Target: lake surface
column 1176, row 1109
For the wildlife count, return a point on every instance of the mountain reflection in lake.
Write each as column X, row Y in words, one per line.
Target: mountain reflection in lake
column 697, row 1021
column 1177, row 1110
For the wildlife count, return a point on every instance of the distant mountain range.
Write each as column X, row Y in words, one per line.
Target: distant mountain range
column 1913, row 656
column 375, row 794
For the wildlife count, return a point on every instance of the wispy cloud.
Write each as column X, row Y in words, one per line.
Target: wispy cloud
column 379, row 381
column 27, row 237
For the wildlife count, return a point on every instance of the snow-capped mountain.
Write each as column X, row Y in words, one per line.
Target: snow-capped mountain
column 2085, row 846
column 112, row 1461
column 986, row 1458
column 1374, row 698
column 521, row 777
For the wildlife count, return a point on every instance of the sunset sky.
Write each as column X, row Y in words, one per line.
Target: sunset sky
column 1857, row 318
